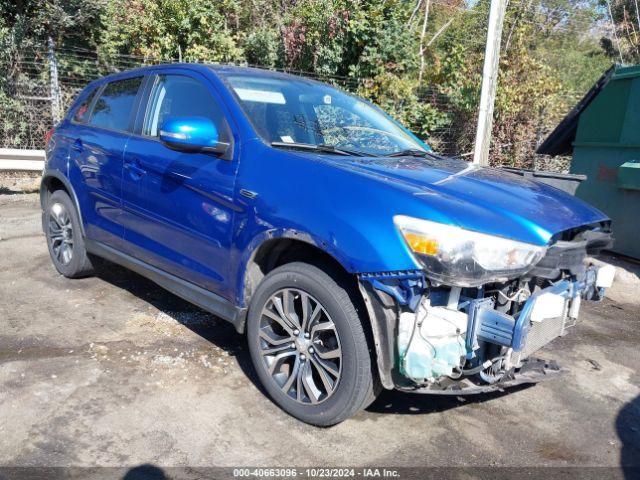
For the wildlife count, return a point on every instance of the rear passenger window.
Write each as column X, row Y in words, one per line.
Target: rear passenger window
column 114, row 106
column 181, row 96
column 82, row 112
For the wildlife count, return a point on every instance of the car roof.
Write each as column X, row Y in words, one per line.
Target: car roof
column 228, row 70
column 220, row 69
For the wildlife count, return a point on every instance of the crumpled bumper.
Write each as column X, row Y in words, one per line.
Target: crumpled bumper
column 545, row 315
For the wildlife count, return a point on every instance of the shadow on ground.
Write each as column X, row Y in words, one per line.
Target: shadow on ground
column 224, row 336
column 220, row 333
column 8, row 191
column 628, row 429
column 145, row 472
column 404, row 403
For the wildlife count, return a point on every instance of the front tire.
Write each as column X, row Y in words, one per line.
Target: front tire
column 308, row 344
column 64, row 237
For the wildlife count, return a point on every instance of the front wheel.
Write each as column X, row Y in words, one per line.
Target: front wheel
column 308, row 345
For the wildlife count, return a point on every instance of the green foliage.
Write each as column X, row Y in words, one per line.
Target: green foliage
column 14, row 125
column 313, row 35
column 429, row 79
column 168, row 29
column 261, row 47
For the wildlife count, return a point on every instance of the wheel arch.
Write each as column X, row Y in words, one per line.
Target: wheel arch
column 274, row 251
column 53, row 181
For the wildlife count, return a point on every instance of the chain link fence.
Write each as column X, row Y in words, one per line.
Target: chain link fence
column 37, row 91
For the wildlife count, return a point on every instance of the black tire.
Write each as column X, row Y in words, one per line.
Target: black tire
column 354, row 388
column 74, row 262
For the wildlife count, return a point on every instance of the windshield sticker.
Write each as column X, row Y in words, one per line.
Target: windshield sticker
column 287, row 139
column 261, row 96
column 327, row 99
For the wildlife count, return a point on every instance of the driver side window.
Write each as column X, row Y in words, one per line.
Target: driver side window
column 181, row 96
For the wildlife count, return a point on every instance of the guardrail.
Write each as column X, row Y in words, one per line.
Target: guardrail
column 17, row 160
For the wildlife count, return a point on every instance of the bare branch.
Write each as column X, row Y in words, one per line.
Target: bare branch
column 415, row 12
column 422, row 35
column 440, row 30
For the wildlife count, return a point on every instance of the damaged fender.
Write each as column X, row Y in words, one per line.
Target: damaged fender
column 383, row 294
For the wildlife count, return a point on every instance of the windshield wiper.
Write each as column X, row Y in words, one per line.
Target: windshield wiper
column 321, row 147
column 412, row 152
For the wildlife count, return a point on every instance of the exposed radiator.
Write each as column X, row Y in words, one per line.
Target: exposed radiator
column 543, row 332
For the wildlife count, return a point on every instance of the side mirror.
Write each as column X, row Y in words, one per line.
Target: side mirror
column 192, row 134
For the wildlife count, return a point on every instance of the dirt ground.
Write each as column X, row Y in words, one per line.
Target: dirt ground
column 114, row 371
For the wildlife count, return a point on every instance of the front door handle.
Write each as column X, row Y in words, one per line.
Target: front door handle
column 134, row 168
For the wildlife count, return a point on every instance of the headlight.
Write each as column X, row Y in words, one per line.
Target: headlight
column 455, row 256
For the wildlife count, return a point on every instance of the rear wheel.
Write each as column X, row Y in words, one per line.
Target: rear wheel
column 64, row 237
column 308, row 345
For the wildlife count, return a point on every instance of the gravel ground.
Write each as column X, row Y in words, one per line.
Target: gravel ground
column 19, row 182
column 114, row 371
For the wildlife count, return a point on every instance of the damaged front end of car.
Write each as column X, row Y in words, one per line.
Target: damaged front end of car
column 471, row 319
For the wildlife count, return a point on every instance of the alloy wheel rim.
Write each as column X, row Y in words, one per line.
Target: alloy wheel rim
column 299, row 346
column 60, row 233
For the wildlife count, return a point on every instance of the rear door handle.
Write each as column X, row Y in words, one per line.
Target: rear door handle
column 77, row 145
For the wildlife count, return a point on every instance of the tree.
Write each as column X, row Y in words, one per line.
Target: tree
column 420, row 60
column 164, row 30
column 626, row 20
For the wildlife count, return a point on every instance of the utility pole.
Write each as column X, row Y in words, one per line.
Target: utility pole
column 489, row 82
column 54, row 86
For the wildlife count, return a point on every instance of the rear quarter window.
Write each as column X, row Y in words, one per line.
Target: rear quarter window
column 81, row 114
column 114, row 107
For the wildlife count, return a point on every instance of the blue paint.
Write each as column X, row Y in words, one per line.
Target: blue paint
column 405, row 287
column 189, row 134
column 181, row 211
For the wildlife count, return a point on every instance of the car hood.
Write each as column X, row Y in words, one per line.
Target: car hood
column 483, row 199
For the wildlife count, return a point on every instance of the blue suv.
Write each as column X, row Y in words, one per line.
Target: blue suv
column 352, row 256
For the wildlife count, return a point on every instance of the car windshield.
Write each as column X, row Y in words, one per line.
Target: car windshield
column 290, row 113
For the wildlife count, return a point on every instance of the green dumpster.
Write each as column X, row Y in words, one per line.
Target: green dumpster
column 603, row 135
column 629, row 175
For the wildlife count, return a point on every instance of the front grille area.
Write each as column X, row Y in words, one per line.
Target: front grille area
column 569, row 255
column 560, row 256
